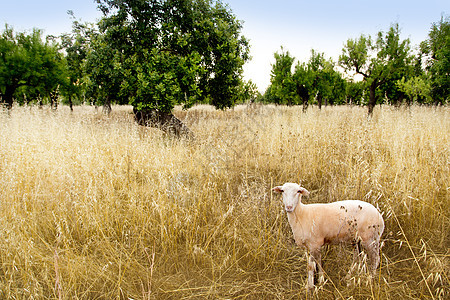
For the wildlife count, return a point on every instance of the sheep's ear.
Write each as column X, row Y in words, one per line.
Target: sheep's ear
column 277, row 189
column 303, row 191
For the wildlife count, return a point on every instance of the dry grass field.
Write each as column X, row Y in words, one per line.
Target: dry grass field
column 97, row 207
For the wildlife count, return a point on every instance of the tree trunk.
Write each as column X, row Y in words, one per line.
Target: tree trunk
column 70, row 103
column 319, row 100
column 8, row 97
column 305, row 105
column 40, row 102
column 303, row 94
column 166, row 122
column 107, row 106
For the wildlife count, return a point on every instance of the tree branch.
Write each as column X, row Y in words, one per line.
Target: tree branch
column 360, row 72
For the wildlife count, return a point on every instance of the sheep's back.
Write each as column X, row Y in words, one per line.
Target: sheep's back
column 346, row 221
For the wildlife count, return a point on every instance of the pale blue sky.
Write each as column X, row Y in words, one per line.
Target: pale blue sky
column 297, row 25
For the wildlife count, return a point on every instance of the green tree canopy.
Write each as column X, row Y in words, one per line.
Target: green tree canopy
column 416, row 88
column 168, row 52
column 437, row 49
column 378, row 61
column 281, row 79
column 105, row 77
column 29, row 64
column 77, row 45
column 325, row 83
column 13, row 65
column 315, row 79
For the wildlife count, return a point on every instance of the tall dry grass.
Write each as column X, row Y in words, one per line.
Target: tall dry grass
column 96, row 207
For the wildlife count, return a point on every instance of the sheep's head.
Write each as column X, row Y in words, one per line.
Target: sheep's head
column 292, row 194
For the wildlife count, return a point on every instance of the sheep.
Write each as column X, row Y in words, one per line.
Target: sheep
column 315, row 225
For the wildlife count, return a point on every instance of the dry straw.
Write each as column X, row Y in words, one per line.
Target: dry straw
column 96, row 207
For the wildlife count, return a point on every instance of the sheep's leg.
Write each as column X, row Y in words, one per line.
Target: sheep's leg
column 310, row 271
column 314, row 261
column 318, row 258
column 356, row 260
column 373, row 254
column 374, row 258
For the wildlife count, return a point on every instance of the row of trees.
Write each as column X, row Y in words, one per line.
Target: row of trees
column 152, row 54
column 391, row 72
column 155, row 54
column 317, row 79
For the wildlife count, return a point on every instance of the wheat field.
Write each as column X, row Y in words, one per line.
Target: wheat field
column 96, row 207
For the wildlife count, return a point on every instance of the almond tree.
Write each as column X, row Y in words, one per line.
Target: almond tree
column 76, row 45
column 29, row 64
column 377, row 60
column 171, row 52
column 283, row 87
column 13, row 66
column 437, row 51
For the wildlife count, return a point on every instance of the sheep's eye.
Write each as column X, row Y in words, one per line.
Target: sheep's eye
column 299, row 191
column 281, row 191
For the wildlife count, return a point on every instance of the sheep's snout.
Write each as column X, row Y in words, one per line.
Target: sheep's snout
column 290, row 201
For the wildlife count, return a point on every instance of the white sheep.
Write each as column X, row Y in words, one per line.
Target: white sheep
column 314, row 225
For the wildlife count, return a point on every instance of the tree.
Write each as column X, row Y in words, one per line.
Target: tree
column 13, row 66
column 303, row 79
column 49, row 67
column 437, row 50
column 76, row 46
column 354, row 92
column 325, row 83
column 283, row 88
column 416, row 88
column 377, row 61
column 103, row 72
column 170, row 52
column 248, row 92
column 337, row 93
column 29, row 64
